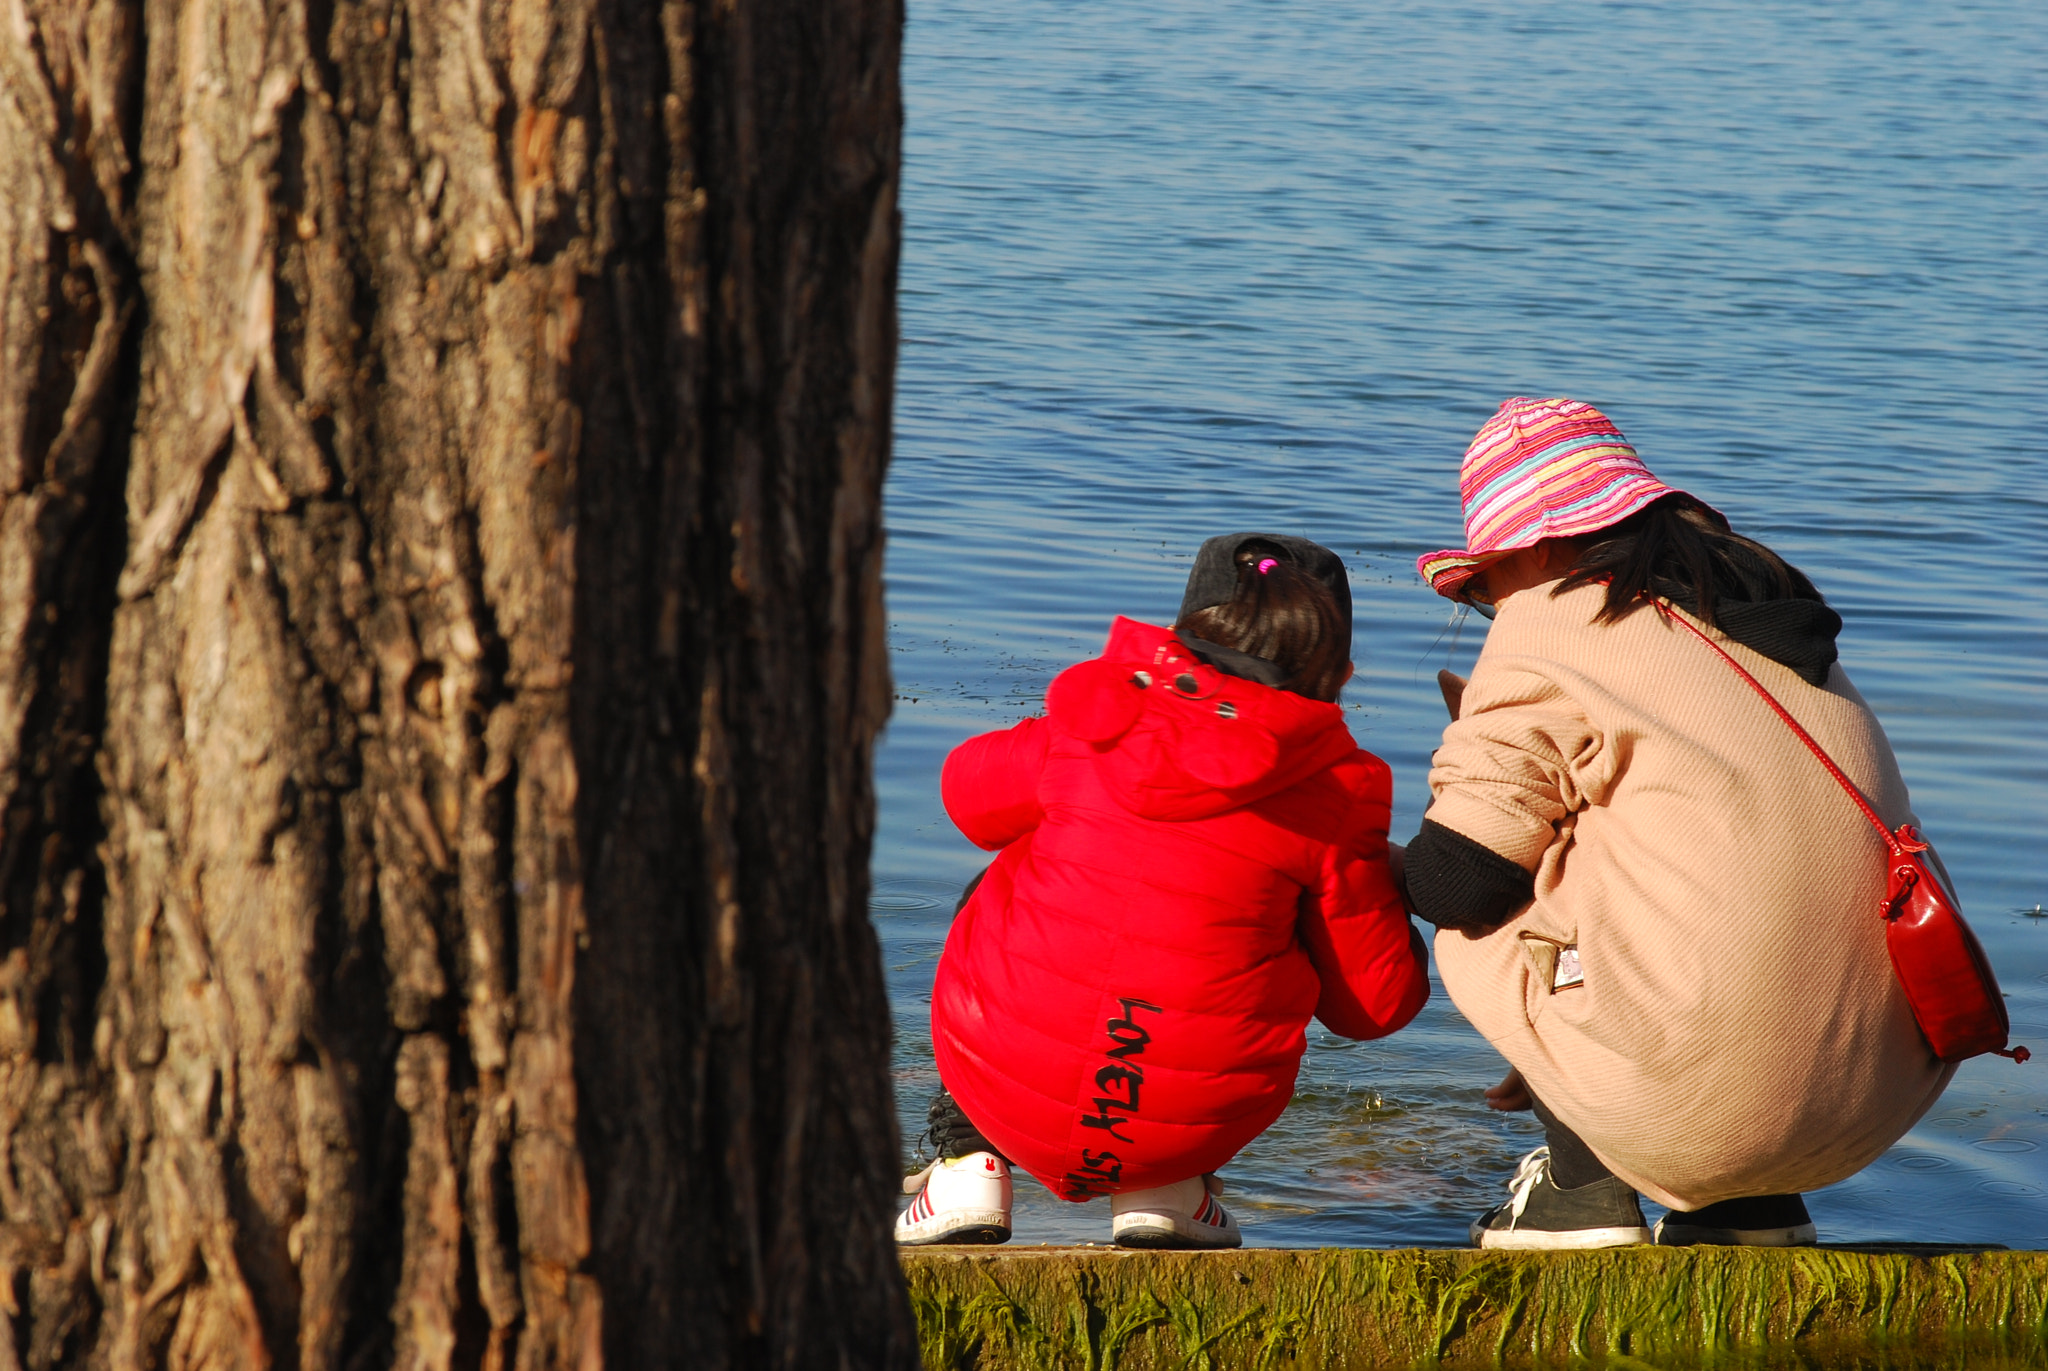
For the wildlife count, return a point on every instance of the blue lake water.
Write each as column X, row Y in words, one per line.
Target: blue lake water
column 1172, row 270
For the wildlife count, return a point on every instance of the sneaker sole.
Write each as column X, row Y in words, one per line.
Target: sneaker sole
column 1165, row 1237
column 1679, row 1235
column 1567, row 1240
column 984, row 1228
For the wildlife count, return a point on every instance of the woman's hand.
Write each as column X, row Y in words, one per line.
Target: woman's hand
column 1511, row 1094
column 1453, row 687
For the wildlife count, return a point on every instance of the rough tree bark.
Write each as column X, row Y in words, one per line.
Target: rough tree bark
column 441, row 648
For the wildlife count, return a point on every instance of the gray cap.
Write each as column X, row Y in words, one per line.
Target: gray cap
column 1214, row 577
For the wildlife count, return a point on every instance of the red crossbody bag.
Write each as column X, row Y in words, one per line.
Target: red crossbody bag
column 1939, row 962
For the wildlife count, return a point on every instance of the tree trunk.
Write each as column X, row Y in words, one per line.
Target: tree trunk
column 441, row 648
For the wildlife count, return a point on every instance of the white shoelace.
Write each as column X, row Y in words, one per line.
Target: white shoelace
column 1527, row 1177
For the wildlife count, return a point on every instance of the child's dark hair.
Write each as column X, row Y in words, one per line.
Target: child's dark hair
column 1283, row 615
column 1681, row 550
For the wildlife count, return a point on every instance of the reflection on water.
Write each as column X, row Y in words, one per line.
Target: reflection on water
column 1173, row 270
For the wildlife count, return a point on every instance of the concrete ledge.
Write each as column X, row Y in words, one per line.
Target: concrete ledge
column 1097, row 1309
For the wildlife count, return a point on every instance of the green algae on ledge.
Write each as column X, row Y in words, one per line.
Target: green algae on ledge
column 1069, row 1309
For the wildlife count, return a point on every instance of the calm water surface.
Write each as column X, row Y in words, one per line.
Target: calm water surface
column 1171, row 270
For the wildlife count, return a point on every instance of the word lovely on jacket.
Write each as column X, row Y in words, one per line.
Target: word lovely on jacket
column 1120, row 1082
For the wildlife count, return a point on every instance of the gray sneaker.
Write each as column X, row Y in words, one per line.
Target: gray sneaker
column 1539, row 1217
column 1758, row 1221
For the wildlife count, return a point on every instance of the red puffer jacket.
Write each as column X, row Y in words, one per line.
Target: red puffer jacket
column 1191, row 865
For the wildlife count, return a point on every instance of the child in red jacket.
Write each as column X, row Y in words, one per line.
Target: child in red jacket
column 1192, row 860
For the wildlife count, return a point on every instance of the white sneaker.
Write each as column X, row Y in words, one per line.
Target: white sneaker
column 1184, row 1214
column 959, row 1199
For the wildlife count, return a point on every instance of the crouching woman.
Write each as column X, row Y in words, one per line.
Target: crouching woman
column 1650, row 896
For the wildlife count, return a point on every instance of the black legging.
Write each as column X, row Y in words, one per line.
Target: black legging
column 1572, row 1165
column 952, row 1133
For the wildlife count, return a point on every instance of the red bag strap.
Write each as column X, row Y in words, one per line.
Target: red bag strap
column 1898, row 843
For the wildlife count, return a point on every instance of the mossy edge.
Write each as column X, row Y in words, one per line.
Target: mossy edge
column 1094, row 1309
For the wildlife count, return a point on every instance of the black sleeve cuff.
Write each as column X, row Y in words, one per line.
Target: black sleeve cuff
column 1454, row 882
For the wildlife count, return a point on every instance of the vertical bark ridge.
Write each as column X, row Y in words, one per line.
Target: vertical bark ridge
column 67, row 303
column 769, row 375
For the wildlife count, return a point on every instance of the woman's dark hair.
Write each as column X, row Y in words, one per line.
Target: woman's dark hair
column 1683, row 551
column 1286, row 616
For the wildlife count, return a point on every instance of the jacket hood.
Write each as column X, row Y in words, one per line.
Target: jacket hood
column 1796, row 631
column 1178, row 739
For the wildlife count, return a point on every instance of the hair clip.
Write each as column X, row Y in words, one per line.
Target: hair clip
column 1267, row 565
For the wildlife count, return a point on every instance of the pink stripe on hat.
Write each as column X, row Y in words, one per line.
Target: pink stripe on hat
column 1540, row 469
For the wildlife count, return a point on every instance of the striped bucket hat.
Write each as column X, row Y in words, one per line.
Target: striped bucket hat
column 1539, row 469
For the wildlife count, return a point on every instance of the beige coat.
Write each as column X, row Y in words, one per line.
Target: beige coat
column 1739, row 1031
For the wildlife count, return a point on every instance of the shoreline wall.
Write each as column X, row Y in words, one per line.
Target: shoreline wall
column 1103, row 1309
